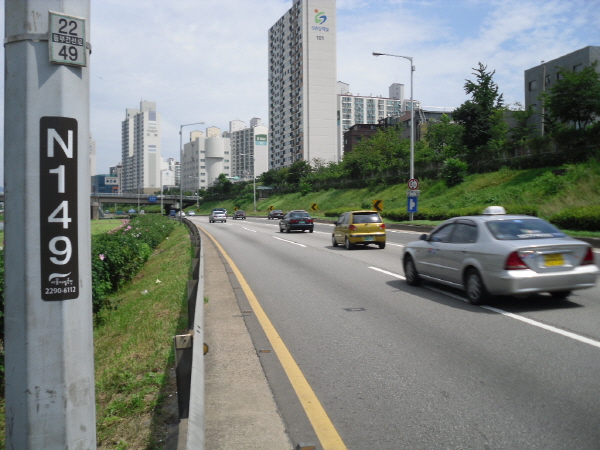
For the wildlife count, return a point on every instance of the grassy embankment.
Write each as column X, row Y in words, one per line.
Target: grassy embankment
column 551, row 190
column 134, row 351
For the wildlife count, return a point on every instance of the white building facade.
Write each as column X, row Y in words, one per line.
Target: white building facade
column 363, row 109
column 302, row 85
column 249, row 149
column 141, row 150
column 204, row 159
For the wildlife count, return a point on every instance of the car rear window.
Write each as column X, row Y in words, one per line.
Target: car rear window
column 297, row 215
column 366, row 217
column 519, row 229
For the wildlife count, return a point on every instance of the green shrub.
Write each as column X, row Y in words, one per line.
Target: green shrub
column 118, row 257
column 454, row 171
column 582, row 218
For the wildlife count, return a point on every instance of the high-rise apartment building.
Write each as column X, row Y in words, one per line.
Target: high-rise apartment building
column 302, row 84
column 249, row 148
column 140, row 150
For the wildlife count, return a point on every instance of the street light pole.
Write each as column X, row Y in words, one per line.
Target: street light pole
column 412, row 116
column 181, row 167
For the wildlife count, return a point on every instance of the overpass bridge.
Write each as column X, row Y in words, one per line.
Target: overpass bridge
column 169, row 201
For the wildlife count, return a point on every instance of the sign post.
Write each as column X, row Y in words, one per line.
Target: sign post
column 412, row 197
column 49, row 351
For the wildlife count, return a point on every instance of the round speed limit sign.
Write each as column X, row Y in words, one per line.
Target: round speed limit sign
column 413, row 184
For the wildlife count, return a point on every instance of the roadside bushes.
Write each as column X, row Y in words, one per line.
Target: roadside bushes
column 582, row 218
column 117, row 257
column 454, row 171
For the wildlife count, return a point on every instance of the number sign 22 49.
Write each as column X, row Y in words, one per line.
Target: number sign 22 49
column 58, row 209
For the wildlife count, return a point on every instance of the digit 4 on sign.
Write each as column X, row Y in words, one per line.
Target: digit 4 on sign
column 413, row 184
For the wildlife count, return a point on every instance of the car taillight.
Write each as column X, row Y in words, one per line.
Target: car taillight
column 514, row 262
column 589, row 257
column 382, row 226
column 294, row 221
column 309, row 221
column 352, row 228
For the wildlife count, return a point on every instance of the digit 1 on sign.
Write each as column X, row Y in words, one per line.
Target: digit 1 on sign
column 59, row 258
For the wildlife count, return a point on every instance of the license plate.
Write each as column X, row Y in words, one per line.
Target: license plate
column 302, row 221
column 555, row 259
column 369, row 238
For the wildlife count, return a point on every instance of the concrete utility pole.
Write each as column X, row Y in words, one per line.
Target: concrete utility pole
column 49, row 362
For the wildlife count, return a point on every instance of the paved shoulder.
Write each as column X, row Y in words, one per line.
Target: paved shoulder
column 240, row 410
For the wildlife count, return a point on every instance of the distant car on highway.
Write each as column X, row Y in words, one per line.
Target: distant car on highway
column 297, row 220
column 500, row 254
column 239, row 214
column 359, row 228
column 191, row 213
column 180, row 213
column 275, row 214
column 217, row 216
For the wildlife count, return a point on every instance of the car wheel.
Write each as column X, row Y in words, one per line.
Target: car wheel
column 476, row 292
column 280, row 229
column 288, row 229
column 381, row 245
column 311, row 230
column 333, row 241
column 560, row 294
column 349, row 245
column 410, row 272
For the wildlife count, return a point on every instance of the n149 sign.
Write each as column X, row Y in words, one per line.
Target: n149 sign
column 58, row 209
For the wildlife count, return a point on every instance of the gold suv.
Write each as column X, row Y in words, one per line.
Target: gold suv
column 359, row 228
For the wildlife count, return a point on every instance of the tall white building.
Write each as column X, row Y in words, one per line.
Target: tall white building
column 302, row 84
column 140, row 150
column 169, row 173
column 249, row 148
column 366, row 109
column 204, row 159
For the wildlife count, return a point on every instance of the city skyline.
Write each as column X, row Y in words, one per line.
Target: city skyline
column 208, row 61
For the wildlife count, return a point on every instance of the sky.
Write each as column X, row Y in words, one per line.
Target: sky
column 207, row 60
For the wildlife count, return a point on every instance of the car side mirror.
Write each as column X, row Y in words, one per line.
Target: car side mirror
column 424, row 237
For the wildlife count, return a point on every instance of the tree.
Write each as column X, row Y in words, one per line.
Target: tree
column 575, row 98
column 477, row 115
column 444, row 137
column 523, row 129
column 297, row 171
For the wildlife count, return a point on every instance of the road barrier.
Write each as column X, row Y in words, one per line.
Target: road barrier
column 189, row 355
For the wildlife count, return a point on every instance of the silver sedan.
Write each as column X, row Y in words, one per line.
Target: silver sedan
column 500, row 254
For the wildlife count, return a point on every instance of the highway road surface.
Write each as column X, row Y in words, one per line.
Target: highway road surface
column 379, row 365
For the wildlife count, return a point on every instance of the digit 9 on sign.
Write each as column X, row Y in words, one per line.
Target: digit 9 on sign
column 55, row 251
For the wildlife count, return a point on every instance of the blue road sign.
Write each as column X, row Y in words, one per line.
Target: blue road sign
column 152, row 199
column 413, row 204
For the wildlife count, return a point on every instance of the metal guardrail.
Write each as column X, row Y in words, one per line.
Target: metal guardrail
column 189, row 355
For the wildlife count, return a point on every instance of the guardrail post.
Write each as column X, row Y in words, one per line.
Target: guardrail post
column 183, row 344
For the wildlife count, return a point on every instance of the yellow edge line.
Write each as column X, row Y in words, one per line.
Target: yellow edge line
column 326, row 432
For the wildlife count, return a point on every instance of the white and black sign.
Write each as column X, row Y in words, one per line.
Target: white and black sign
column 413, row 184
column 67, row 39
column 58, row 209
